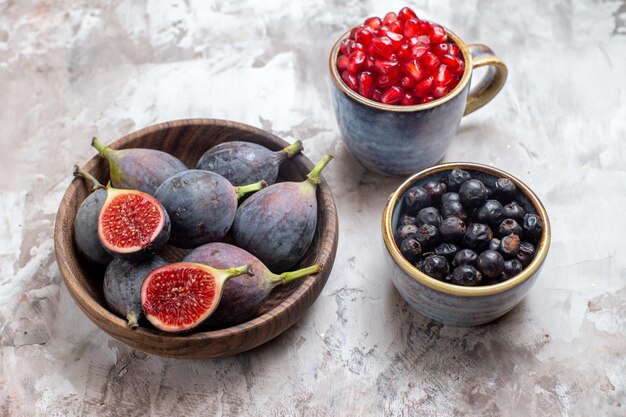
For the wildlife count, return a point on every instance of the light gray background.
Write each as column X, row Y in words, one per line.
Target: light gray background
column 73, row 69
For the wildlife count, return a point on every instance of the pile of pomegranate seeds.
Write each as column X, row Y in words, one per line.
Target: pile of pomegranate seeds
column 400, row 60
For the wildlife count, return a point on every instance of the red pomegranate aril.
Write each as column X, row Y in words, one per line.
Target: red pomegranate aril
column 385, row 66
column 387, row 80
column 423, row 86
column 355, row 46
column 377, row 94
column 454, row 50
column 443, row 76
column 349, row 79
column 441, row 49
column 430, row 60
column 368, row 64
column 418, row 50
column 404, row 51
column 396, row 27
column 441, row 91
column 414, row 69
column 389, row 18
column 373, row 22
column 406, row 13
column 407, row 82
column 355, row 60
column 396, row 39
column 391, row 95
column 345, row 45
column 450, row 61
column 424, row 39
column 425, row 99
column 411, row 28
column 354, row 31
column 366, row 84
column 342, row 62
column 461, row 69
column 364, row 35
column 408, row 99
column 424, row 27
column 438, row 34
column 382, row 46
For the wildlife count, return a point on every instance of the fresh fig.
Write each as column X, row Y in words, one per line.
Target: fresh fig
column 86, row 221
column 243, row 295
column 139, row 169
column 278, row 223
column 122, row 286
column 132, row 224
column 245, row 162
column 201, row 205
column 180, row 296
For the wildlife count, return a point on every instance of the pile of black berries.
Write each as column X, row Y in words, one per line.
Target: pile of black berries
column 460, row 231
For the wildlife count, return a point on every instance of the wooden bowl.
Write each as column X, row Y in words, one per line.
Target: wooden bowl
column 188, row 140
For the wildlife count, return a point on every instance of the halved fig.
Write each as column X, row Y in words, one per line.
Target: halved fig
column 180, row 296
column 132, row 224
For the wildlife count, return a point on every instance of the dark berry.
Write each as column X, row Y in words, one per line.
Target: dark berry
column 533, row 226
column 473, row 193
column 435, row 190
column 452, row 229
column 448, row 250
column 494, row 244
column 406, row 231
column 428, row 215
column 453, row 208
column 509, row 227
column 436, row 266
column 526, row 253
column 509, row 246
column 456, row 178
column 504, row 190
column 428, row 236
column 490, row 212
column 477, row 236
column 466, row 275
column 514, row 211
column 416, row 198
column 465, row 257
column 406, row 219
column 490, row 263
column 450, row 197
column 512, row 267
column 411, row 249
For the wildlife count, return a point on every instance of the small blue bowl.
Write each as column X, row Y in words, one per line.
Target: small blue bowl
column 454, row 304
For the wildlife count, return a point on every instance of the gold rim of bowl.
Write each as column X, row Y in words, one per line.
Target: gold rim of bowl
column 467, row 56
column 457, row 290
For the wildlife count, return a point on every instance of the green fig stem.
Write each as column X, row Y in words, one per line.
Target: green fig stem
column 293, row 149
column 132, row 319
column 314, row 175
column 287, row 277
column 245, row 189
column 95, row 184
column 100, row 147
column 234, row 272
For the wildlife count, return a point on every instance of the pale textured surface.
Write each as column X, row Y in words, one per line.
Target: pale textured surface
column 73, row 69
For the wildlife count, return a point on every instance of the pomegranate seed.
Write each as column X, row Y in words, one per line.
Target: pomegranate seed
column 440, row 91
column 461, row 69
column 396, row 27
column 349, row 79
column 396, row 39
column 430, row 60
column 389, row 18
column 451, row 62
column 374, row 22
column 385, row 66
column 377, row 94
column 354, row 31
column 364, row 35
column 406, row 14
column 418, row 50
column 406, row 82
column 355, row 60
column 368, row 64
column 425, row 99
column 414, row 69
column 392, row 95
column 345, row 45
column 404, row 51
column 454, row 50
column 342, row 62
column 441, row 49
column 411, row 28
column 413, row 41
column 382, row 46
column 408, row 99
column 387, row 80
column 355, row 46
column 438, row 34
column 424, row 39
column 366, row 84
column 423, row 86
column 443, row 76
column 424, row 27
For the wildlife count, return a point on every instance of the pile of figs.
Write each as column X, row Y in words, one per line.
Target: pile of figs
column 153, row 199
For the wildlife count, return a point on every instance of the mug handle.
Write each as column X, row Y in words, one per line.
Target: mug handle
column 491, row 83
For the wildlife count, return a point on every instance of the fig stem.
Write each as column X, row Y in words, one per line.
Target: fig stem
column 245, row 189
column 132, row 319
column 234, row 272
column 287, row 277
column 293, row 149
column 100, row 147
column 79, row 172
column 314, row 175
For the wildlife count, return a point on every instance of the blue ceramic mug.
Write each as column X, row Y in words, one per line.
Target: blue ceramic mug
column 400, row 140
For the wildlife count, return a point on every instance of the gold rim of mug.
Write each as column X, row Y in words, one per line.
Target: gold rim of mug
column 457, row 290
column 467, row 56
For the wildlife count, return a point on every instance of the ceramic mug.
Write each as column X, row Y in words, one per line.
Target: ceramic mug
column 400, row 140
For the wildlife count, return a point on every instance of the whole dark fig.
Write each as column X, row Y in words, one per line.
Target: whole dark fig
column 243, row 295
column 245, row 162
column 86, row 222
column 122, row 287
column 139, row 169
column 201, row 205
column 277, row 224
